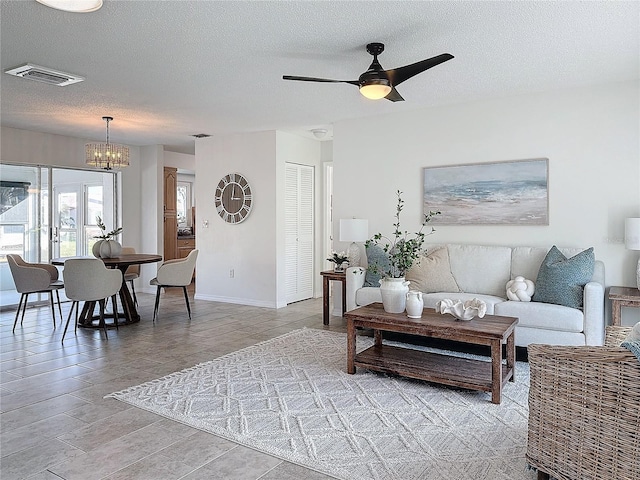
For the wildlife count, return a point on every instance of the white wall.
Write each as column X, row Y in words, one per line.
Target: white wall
column 249, row 248
column 151, row 220
column 254, row 249
column 182, row 161
column 591, row 137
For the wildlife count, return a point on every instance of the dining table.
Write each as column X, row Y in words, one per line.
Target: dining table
column 129, row 314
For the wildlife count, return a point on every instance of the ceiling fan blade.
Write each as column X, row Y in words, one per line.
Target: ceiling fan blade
column 394, row 96
column 399, row 75
column 313, row 79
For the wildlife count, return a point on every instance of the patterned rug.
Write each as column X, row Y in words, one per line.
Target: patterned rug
column 292, row 398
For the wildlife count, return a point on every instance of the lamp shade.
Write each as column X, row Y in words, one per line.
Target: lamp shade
column 631, row 233
column 354, row 230
column 76, row 6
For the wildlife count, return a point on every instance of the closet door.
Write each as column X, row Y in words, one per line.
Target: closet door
column 299, row 222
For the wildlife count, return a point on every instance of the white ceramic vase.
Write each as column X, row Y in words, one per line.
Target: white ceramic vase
column 394, row 294
column 110, row 249
column 415, row 304
column 95, row 250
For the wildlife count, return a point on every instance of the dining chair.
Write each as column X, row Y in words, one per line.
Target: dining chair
column 34, row 278
column 175, row 273
column 88, row 280
column 132, row 272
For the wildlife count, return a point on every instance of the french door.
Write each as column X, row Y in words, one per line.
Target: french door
column 48, row 212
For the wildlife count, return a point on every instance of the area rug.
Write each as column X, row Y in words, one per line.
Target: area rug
column 292, row 398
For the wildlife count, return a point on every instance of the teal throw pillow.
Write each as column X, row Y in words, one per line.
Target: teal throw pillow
column 375, row 256
column 561, row 280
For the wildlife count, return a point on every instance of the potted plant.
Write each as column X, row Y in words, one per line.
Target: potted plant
column 106, row 246
column 401, row 250
column 339, row 260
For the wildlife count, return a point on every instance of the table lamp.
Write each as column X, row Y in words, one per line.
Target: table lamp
column 354, row 230
column 632, row 240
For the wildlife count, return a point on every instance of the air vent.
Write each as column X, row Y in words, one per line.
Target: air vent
column 44, row 75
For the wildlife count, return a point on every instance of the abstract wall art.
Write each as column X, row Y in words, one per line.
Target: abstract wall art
column 500, row 193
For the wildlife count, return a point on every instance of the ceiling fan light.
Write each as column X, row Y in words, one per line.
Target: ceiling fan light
column 375, row 91
column 77, row 6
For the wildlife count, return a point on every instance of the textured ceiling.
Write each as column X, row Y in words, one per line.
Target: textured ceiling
column 168, row 69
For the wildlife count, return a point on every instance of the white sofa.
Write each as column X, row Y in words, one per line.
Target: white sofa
column 483, row 272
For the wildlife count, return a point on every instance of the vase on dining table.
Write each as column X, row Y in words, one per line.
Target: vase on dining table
column 110, row 249
column 95, row 250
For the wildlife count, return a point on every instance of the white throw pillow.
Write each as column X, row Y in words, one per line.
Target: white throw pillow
column 431, row 273
column 520, row 289
column 634, row 334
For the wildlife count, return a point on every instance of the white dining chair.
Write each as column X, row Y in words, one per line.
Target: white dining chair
column 34, row 278
column 88, row 280
column 175, row 273
column 132, row 272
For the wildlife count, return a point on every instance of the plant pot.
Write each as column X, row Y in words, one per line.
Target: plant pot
column 110, row 249
column 339, row 268
column 394, row 294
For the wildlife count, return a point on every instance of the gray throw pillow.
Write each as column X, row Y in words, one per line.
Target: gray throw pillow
column 375, row 256
column 561, row 280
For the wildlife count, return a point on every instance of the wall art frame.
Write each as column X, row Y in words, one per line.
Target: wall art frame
column 514, row 192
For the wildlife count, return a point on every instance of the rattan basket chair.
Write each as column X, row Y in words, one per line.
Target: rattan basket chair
column 584, row 411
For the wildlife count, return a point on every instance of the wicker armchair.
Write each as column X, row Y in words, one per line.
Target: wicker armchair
column 584, row 411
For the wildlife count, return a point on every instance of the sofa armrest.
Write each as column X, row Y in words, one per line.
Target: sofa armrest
column 593, row 308
column 355, row 281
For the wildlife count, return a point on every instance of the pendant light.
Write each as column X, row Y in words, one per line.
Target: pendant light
column 107, row 155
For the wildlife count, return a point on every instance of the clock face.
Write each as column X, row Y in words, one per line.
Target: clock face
column 233, row 198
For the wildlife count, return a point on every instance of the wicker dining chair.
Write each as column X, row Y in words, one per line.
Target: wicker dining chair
column 584, row 411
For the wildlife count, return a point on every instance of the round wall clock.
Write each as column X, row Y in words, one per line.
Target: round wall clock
column 233, row 198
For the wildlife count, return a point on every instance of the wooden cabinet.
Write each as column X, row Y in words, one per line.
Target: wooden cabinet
column 170, row 213
column 185, row 245
column 170, row 189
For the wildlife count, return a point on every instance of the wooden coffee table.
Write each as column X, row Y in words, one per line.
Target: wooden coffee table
column 491, row 330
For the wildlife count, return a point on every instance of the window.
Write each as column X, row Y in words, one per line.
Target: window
column 183, row 204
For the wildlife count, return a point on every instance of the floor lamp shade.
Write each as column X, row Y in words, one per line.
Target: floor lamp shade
column 354, row 230
column 632, row 240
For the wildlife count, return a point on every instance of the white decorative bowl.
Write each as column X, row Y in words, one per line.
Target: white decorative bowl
column 462, row 311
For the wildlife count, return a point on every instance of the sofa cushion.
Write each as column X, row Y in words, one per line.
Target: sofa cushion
column 481, row 269
column 561, row 280
column 634, row 334
column 368, row 295
column 432, row 273
column 526, row 261
column 376, row 258
column 543, row 315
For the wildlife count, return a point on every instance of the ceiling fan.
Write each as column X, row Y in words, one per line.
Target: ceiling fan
column 377, row 83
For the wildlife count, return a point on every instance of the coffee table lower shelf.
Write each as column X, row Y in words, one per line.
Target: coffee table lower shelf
column 432, row 367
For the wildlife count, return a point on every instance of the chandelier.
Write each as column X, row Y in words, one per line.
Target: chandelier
column 107, row 155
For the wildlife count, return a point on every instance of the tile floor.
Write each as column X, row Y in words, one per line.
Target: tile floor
column 55, row 423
